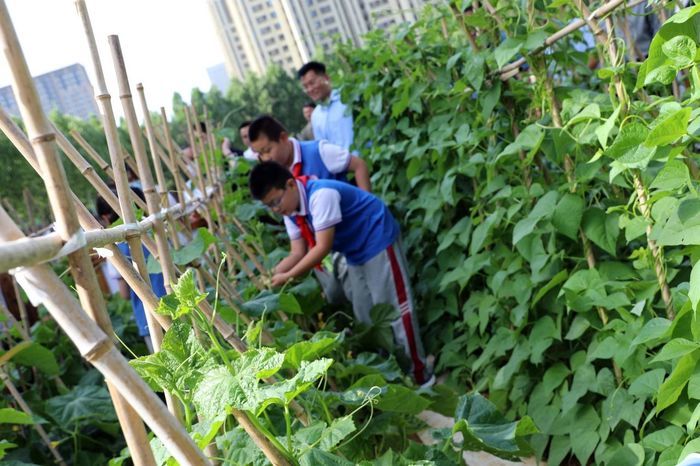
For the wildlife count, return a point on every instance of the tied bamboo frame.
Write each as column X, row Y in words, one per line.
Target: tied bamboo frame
column 100, row 348
column 95, row 345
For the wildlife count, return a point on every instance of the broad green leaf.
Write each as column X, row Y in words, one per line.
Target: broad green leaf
column 288, row 304
column 484, row 429
column 339, row 429
column 240, row 448
column 217, row 391
column 371, row 363
column 684, row 23
column 529, row 139
column 195, row 249
column 647, row 384
column 583, row 444
column 629, row 455
column 535, row 39
column 694, row 286
column 311, row 349
column 578, row 326
column 12, row 416
column 556, row 280
column 4, row 446
column 81, row 406
column 568, row 214
column 603, row 131
column 184, row 299
column 36, row 355
column 589, row 112
column 543, row 209
column 662, row 439
column 465, row 271
column 669, row 129
column 506, row 51
column 673, row 176
column 628, row 140
column 672, row 387
column 315, row 457
column 675, row 349
column 601, row 228
column 205, row 431
column 654, row 329
column 680, row 50
column 688, row 209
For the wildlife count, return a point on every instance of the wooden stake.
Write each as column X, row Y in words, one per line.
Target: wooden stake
column 28, row 411
column 46, row 288
column 39, row 131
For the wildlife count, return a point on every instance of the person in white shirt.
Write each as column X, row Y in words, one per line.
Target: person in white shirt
column 249, row 153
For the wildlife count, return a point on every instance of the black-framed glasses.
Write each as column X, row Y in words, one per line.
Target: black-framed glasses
column 272, row 205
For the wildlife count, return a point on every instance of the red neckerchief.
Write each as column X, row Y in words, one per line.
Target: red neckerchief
column 302, row 220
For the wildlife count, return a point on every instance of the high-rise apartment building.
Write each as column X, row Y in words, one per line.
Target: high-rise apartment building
column 259, row 33
column 67, row 90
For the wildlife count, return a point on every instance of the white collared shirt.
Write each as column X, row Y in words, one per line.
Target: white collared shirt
column 324, row 208
column 335, row 158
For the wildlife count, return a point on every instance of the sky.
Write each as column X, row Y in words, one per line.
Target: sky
column 167, row 44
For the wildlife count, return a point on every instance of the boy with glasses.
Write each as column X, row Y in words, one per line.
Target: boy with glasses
column 328, row 215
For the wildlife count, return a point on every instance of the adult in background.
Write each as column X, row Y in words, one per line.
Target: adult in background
column 249, row 153
column 106, row 217
column 331, row 119
column 307, row 134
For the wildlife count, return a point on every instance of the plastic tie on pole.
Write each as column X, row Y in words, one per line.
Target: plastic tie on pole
column 104, row 252
column 75, row 242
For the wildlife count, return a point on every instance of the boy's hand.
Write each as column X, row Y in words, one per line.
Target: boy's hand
column 280, row 279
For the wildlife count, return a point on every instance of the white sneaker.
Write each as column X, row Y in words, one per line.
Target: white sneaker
column 429, row 383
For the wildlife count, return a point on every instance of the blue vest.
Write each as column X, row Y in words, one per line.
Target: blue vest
column 367, row 227
column 312, row 163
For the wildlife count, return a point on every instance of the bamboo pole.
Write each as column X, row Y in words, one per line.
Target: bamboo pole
column 160, row 175
column 511, row 69
column 153, row 199
column 88, row 222
column 104, row 166
column 171, row 155
column 161, row 187
column 203, row 154
column 13, row 213
column 29, row 206
column 39, row 131
column 104, row 101
column 42, row 284
column 23, row 314
column 32, row 251
column 640, row 190
column 28, row 411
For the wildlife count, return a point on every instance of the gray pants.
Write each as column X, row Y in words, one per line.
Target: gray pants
column 384, row 280
column 334, row 282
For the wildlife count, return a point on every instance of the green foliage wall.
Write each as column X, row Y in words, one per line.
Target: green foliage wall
column 549, row 218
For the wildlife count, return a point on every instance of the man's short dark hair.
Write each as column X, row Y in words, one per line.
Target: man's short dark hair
column 315, row 66
column 310, row 105
column 104, row 209
column 268, row 126
column 244, row 124
column 267, row 176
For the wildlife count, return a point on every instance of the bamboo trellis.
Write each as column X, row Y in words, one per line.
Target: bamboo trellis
column 78, row 232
